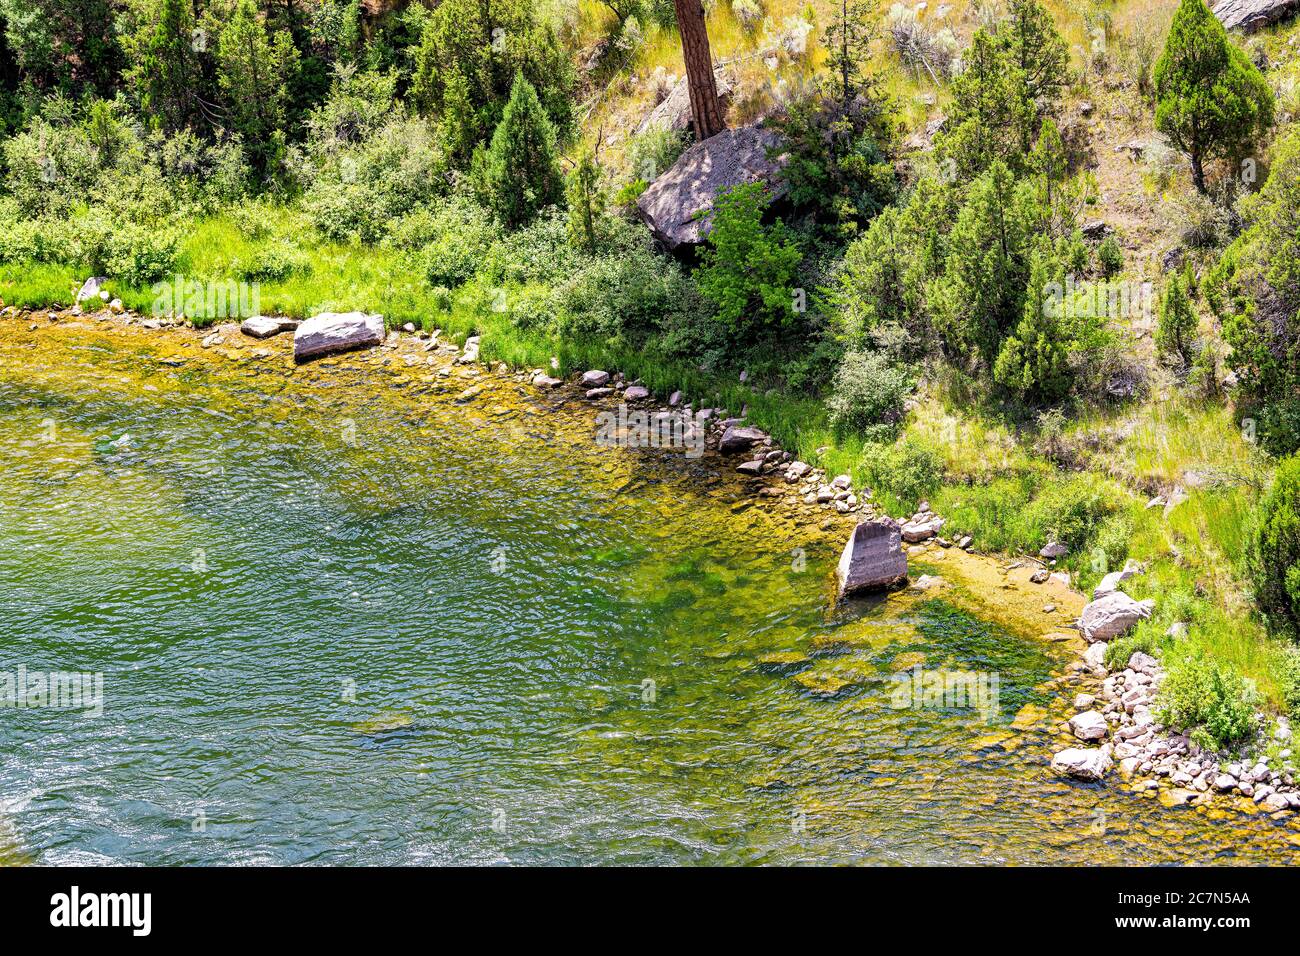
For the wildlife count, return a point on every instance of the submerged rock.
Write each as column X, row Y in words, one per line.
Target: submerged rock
column 873, row 558
column 336, row 332
column 264, row 326
column 1112, row 616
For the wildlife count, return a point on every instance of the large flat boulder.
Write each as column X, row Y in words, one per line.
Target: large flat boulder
column 738, row 438
column 678, row 205
column 1112, row 616
column 1252, row 15
column 674, row 113
column 873, row 558
column 336, row 332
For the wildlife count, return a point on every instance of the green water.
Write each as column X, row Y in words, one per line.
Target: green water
column 349, row 622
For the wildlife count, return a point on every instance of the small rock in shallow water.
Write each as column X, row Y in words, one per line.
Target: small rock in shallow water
column 1083, row 763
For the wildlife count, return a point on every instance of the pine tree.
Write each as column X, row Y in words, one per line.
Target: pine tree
column 1033, row 361
column 165, row 68
column 1211, row 101
column 1177, row 322
column 586, row 203
column 254, row 70
column 517, row 175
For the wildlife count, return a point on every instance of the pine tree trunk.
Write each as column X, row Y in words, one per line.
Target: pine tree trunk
column 1198, row 173
column 705, row 106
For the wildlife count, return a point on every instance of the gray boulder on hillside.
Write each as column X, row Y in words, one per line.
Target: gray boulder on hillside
column 336, row 332
column 873, row 558
column 677, row 206
column 1112, row 615
column 1252, row 15
column 675, row 111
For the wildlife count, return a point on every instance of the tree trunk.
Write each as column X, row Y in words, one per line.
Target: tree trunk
column 705, row 106
column 1198, row 174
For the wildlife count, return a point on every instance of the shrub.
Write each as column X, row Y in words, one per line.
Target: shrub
column 1067, row 511
column 356, row 192
column 654, row 151
column 448, row 241
column 867, row 395
column 910, row 470
column 1287, row 669
column 749, row 268
column 273, row 263
column 1198, row 693
column 1276, row 557
column 1177, row 324
column 1110, row 257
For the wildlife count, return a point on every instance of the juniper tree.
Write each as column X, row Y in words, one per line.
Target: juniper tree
column 1211, row 101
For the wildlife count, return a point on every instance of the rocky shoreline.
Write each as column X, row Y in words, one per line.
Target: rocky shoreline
column 1113, row 714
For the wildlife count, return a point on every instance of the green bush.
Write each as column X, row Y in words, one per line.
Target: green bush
column 355, row 192
column 1068, row 511
column 448, row 240
column 749, row 268
column 1121, row 649
column 867, row 395
column 909, row 470
column 1205, row 697
column 1110, row 257
column 274, row 262
column 1287, row 669
column 1276, row 557
column 654, row 152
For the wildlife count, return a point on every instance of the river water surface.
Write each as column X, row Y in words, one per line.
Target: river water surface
column 344, row 618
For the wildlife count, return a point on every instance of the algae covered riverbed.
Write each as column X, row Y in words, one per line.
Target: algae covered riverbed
column 347, row 613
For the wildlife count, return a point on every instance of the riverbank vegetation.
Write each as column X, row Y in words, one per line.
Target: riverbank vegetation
column 1032, row 262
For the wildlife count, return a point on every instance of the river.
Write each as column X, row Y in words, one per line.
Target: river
column 342, row 617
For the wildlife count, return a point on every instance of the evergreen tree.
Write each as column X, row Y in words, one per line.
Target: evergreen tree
column 1038, row 51
column 1033, row 361
column 469, row 55
column 1177, row 322
column 517, row 175
column 991, row 118
column 165, row 68
column 1276, row 557
column 1211, row 101
column 586, row 203
column 981, row 294
column 254, row 70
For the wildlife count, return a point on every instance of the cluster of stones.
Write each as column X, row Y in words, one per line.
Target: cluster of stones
column 1120, row 720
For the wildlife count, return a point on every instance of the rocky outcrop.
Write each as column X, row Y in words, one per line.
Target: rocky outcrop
column 873, row 558
column 1252, row 15
column 674, row 112
column 332, row 332
column 1112, row 616
column 265, row 326
column 678, row 205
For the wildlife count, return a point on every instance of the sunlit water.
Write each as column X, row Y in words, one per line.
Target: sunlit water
column 341, row 621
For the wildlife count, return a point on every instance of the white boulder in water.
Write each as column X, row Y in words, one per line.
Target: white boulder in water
column 1083, row 763
column 264, row 326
